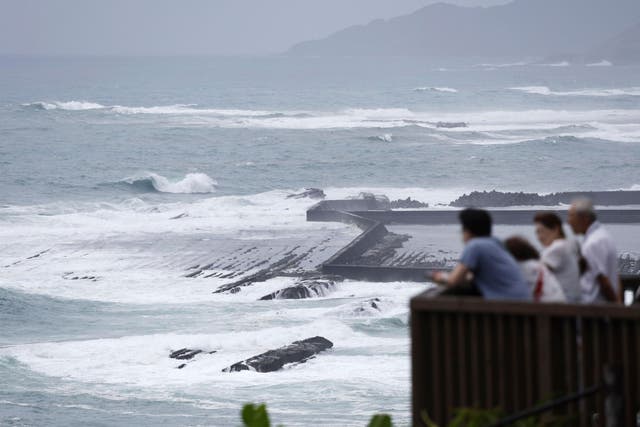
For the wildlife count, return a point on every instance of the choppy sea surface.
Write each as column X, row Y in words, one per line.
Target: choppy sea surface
column 119, row 174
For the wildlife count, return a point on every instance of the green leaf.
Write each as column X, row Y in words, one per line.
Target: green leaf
column 255, row 416
column 380, row 420
column 427, row 420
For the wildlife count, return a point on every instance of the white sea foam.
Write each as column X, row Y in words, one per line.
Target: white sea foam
column 503, row 65
column 557, row 64
column 603, row 63
column 436, row 89
column 69, row 105
column 192, row 183
column 503, row 124
column 544, row 90
column 385, row 137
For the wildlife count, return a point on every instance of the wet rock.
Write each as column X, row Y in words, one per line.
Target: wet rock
column 273, row 360
column 311, row 193
column 451, row 125
column 503, row 199
column 407, row 203
column 310, row 287
column 368, row 305
column 186, row 354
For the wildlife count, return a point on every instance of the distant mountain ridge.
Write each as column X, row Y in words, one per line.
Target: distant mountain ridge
column 523, row 28
column 623, row 48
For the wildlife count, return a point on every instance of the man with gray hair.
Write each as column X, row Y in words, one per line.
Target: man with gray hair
column 600, row 281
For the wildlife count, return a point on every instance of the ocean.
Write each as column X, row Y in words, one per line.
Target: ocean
column 119, row 175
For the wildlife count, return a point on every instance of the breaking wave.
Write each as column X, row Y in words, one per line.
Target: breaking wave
column 557, row 64
column 496, row 126
column 192, row 183
column 506, row 65
column 69, row 105
column 386, row 137
column 436, row 89
column 544, row 90
column 603, row 63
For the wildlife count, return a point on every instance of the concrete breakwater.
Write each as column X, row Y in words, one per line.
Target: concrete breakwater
column 371, row 255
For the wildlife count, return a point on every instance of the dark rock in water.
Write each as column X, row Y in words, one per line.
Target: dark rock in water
column 273, row 360
column 451, row 125
column 366, row 306
column 503, row 199
column 407, row 203
column 184, row 354
column 312, row 193
column 309, row 287
column 182, row 366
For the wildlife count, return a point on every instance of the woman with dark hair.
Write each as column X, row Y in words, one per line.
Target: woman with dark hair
column 559, row 255
column 543, row 284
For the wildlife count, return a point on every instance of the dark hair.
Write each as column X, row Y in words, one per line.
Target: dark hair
column 550, row 220
column 476, row 221
column 521, row 249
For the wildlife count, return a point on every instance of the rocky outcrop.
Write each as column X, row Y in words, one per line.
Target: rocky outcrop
column 451, row 125
column 504, row 199
column 407, row 203
column 369, row 306
column 184, row 354
column 309, row 287
column 273, row 360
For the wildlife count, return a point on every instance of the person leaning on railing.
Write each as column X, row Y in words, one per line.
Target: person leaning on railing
column 484, row 262
column 559, row 254
column 600, row 281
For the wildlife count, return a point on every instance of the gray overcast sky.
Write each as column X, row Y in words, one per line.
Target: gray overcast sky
column 156, row 27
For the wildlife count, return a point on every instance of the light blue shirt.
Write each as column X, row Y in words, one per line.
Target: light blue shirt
column 495, row 272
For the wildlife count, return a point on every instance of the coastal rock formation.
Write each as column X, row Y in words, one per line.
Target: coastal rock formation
column 451, row 125
column 309, row 287
column 273, row 360
column 184, row 354
column 311, row 193
column 503, row 199
column 407, row 203
column 372, row 305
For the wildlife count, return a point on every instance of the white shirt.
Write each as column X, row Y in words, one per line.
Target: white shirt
column 551, row 289
column 562, row 259
column 601, row 255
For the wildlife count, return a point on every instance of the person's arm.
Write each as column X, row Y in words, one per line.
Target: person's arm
column 458, row 276
column 606, row 288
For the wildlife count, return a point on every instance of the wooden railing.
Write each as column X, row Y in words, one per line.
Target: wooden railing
column 468, row 352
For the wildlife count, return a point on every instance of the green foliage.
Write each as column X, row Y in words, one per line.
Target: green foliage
column 427, row 420
column 255, row 416
column 380, row 420
column 472, row 417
